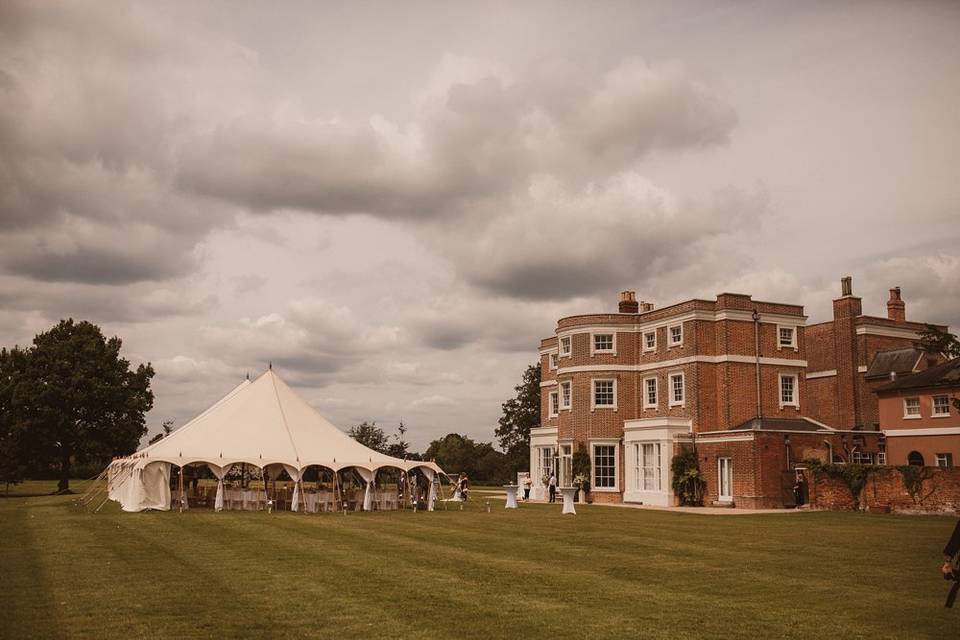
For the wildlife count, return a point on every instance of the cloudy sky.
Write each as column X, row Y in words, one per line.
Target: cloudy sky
column 394, row 201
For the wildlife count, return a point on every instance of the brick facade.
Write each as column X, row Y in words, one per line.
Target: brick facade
column 885, row 490
column 729, row 351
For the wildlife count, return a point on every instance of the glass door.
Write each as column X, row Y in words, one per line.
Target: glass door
column 725, row 482
column 565, row 476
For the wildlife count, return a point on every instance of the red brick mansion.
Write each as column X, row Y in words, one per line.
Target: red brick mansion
column 748, row 383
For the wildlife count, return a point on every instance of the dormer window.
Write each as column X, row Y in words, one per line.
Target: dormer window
column 565, row 346
column 786, row 337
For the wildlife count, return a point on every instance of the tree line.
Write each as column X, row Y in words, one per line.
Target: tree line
column 69, row 403
column 456, row 453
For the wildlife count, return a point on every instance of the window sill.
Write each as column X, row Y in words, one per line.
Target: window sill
column 603, row 353
column 912, row 417
column 940, row 415
column 605, row 489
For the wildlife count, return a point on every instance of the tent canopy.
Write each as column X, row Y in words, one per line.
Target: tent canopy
column 261, row 423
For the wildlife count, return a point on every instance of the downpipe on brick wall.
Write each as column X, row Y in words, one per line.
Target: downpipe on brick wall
column 756, row 350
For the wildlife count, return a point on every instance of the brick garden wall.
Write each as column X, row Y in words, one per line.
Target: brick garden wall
column 885, row 491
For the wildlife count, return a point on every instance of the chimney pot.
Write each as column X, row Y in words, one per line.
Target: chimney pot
column 896, row 307
column 846, row 286
column 628, row 302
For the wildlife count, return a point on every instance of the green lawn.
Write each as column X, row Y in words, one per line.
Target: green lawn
column 529, row 573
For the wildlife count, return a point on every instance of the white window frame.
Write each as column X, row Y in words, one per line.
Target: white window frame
column 683, row 389
column 569, row 351
column 906, row 409
column 793, row 338
column 569, row 405
column 881, row 457
column 642, row 466
column 593, row 394
column 656, row 392
column 553, row 361
column 553, row 404
column 670, row 343
column 616, row 465
column 720, row 465
column 943, row 457
column 796, row 390
column 933, row 406
column 613, row 343
column 646, row 348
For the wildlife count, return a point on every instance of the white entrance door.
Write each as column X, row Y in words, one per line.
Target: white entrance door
column 725, row 479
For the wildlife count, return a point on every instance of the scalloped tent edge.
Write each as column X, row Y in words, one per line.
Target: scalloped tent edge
column 263, row 423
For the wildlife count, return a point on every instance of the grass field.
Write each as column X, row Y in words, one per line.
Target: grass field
column 529, row 573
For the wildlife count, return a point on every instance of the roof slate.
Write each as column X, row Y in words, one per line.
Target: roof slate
column 899, row 361
column 946, row 374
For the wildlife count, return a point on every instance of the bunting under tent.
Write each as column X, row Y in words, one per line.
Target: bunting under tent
column 258, row 433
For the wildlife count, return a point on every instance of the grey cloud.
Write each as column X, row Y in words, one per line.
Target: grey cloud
column 479, row 141
column 930, row 286
column 556, row 244
column 100, row 303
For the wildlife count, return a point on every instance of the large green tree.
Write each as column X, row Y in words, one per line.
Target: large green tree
column 13, row 461
column 520, row 414
column 79, row 400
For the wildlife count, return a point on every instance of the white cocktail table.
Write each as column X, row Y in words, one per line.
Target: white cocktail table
column 511, row 495
column 568, row 493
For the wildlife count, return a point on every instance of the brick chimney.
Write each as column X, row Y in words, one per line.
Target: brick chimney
column 645, row 306
column 846, row 308
column 628, row 302
column 896, row 307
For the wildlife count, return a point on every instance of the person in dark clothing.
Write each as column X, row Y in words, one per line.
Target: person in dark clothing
column 552, row 485
column 950, row 553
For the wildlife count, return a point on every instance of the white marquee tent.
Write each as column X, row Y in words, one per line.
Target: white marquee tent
column 260, row 423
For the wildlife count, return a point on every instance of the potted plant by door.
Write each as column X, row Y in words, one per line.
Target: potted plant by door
column 582, row 468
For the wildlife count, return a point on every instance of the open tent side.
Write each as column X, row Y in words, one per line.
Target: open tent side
column 262, row 424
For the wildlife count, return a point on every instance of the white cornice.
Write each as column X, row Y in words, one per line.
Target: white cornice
column 649, row 366
column 942, row 431
column 698, row 314
column 821, row 374
column 549, row 350
column 887, row 332
column 640, row 424
column 543, row 431
column 548, row 383
column 735, row 437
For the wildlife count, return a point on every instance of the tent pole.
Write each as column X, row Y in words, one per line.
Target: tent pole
column 181, row 488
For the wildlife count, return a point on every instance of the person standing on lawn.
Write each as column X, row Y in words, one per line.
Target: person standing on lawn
column 552, row 483
column 951, row 564
column 526, row 489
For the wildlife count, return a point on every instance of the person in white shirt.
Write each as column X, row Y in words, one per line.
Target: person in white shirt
column 553, row 487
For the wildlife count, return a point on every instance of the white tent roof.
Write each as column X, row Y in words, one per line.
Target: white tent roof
column 264, row 422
